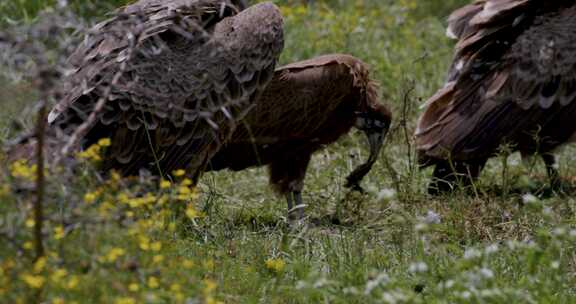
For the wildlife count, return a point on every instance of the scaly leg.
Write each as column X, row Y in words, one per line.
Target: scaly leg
column 287, row 177
column 295, row 206
column 552, row 170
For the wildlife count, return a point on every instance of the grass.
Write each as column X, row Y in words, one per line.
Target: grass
column 132, row 241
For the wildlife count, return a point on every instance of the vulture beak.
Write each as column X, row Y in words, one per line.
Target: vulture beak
column 375, row 131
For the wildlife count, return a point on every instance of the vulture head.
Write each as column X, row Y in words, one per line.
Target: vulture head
column 253, row 29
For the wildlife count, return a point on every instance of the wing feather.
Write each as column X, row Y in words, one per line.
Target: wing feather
column 513, row 67
column 165, row 84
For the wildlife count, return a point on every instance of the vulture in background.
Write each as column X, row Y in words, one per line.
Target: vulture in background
column 167, row 81
column 306, row 106
column 512, row 81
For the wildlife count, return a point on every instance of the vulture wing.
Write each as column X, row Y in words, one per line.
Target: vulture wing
column 174, row 77
column 513, row 79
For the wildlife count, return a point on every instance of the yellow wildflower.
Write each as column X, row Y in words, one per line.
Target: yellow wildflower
column 73, row 282
column 162, row 200
column 212, row 300
column 90, row 197
column 179, row 172
column 157, row 259
column 91, row 154
column 192, row 213
column 175, row 287
column 115, row 177
column 39, row 265
column 184, row 190
column 209, row 264
column 58, row 275
column 34, row 281
column 105, row 208
column 104, row 142
column 30, row 223
column 186, row 182
column 156, row 246
column 172, row 227
column 187, row 264
column 114, row 254
column 28, row 245
column 144, row 243
column 165, row 184
column 275, row 265
column 179, row 297
column 134, row 287
column 4, row 190
column 57, row 301
column 21, row 169
column 59, row 232
column 153, row 282
column 123, row 198
column 209, row 286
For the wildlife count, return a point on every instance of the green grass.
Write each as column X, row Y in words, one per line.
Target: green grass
column 393, row 244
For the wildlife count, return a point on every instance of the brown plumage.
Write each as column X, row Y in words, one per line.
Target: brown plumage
column 512, row 81
column 307, row 105
column 175, row 75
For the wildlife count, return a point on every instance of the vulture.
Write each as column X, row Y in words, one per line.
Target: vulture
column 306, row 106
column 512, row 82
column 168, row 81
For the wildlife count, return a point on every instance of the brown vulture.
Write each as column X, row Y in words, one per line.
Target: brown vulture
column 512, row 81
column 306, row 106
column 167, row 81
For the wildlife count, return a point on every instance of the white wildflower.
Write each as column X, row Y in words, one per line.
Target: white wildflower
column 493, row 248
column 420, row 227
column 418, row 267
column 381, row 279
column 559, row 231
column 490, row 293
column 529, row 198
column 432, row 217
column 487, row 273
column 386, row 194
column 472, row 253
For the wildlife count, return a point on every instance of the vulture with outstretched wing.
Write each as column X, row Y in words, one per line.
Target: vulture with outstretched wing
column 167, row 81
column 306, row 106
column 512, row 81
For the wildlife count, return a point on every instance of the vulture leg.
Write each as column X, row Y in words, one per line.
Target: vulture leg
column 448, row 175
column 287, row 177
column 552, row 170
column 375, row 133
column 295, row 205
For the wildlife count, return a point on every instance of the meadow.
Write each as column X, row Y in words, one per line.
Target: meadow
column 227, row 240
